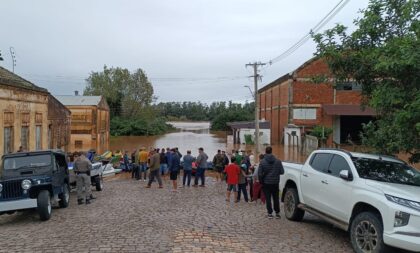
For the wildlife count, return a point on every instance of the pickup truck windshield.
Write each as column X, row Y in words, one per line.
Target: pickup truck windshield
column 386, row 171
column 11, row 163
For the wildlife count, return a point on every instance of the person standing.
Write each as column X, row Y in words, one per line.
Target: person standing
column 126, row 161
column 232, row 171
column 201, row 167
column 163, row 163
column 238, row 158
column 269, row 173
column 143, row 156
column 173, row 169
column 134, row 166
column 218, row 161
column 81, row 168
column 154, row 166
column 242, row 184
column 257, row 188
column 188, row 161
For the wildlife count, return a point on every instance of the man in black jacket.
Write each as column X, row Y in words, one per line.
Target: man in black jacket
column 269, row 173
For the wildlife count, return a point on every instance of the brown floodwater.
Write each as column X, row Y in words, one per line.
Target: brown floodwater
column 193, row 135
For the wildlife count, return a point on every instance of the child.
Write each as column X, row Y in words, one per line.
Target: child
column 232, row 171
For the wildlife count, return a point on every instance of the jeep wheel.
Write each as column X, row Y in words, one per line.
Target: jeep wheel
column 291, row 209
column 44, row 205
column 99, row 183
column 64, row 197
column 366, row 233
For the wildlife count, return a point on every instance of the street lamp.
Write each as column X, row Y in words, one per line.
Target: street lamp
column 252, row 93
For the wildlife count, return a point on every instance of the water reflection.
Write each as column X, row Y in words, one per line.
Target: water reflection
column 193, row 135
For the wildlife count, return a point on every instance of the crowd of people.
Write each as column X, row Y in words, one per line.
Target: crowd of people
column 245, row 176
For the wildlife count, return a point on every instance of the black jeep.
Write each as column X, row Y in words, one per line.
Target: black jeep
column 34, row 180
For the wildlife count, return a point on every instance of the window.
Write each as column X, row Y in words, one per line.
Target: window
column 387, row 171
column 9, row 118
column 24, row 137
column 79, row 118
column 78, row 144
column 8, row 140
column 38, row 118
column 38, row 138
column 348, row 86
column 25, row 118
column 304, row 113
column 338, row 163
column 321, row 161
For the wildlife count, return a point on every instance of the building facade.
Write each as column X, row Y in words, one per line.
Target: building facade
column 24, row 114
column 308, row 97
column 89, row 122
column 59, row 120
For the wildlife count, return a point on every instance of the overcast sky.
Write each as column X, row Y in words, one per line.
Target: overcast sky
column 193, row 50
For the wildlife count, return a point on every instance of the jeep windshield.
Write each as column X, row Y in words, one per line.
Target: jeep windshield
column 387, row 171
column 19, row 162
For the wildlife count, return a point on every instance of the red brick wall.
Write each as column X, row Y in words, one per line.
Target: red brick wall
column 311, row 93
column 314, row 68
column 350, row 97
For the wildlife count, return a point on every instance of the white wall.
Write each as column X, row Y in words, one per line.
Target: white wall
column 264, row 135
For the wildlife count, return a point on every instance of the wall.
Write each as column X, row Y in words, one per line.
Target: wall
column 59, row 120
column 21, row 101
column 264, row 135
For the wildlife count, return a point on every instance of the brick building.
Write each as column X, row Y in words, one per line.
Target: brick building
column 26, row 116
column 89, row 122
column 300, row 98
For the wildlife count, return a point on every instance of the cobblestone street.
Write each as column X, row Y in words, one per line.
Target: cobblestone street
column 126, row 217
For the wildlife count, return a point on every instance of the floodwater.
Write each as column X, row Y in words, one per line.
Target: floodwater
column 193, row 135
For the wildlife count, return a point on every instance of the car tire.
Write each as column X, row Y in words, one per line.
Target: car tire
column 366, row 233
column 64, row 197
column 44, row 205
column 291, row 209
column 99, row 183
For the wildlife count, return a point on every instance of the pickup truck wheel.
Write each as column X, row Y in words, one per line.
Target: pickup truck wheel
column 366, row 233
column 64, row 197
column 44, row 205
column 291, row 209
column 99, row 183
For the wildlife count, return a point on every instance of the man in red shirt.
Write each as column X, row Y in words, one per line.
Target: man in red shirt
column 232, row 172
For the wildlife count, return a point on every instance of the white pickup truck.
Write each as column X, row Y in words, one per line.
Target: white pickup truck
column 375, row 198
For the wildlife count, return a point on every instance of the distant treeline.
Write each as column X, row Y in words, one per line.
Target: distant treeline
column 218, row 113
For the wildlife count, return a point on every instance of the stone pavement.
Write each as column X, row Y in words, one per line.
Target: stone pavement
column 126, row 217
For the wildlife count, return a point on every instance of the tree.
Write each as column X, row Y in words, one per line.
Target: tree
column 128, row 94
column 1, row 58
column 383, row 55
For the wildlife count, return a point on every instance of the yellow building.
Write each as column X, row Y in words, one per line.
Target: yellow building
column 23, row 114
column 89, row 122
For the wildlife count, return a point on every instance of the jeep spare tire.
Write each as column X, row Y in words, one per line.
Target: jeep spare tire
column 44, row 205
column 64, row 196
column 99, row 183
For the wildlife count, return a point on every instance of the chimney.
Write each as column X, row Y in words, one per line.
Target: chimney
column 76, row 93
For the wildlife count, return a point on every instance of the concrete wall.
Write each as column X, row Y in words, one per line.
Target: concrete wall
column 264, row 135
column 17, row 102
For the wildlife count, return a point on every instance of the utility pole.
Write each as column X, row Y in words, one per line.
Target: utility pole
column 256, row 76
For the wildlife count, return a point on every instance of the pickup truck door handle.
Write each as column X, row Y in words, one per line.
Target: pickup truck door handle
column 324, row 181
column 304, row 174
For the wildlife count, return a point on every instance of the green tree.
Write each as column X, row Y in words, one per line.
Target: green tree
column 383, row 55
column 128, row 94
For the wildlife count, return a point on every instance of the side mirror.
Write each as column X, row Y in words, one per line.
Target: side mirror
column 346, row 175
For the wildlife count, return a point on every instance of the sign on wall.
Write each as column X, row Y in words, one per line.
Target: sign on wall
column 304, row 113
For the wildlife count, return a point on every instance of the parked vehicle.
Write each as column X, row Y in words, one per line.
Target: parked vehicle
column 34, row 180
column 96, row 176
column 375, row 198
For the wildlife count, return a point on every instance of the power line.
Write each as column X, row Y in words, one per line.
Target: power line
column 331, row 14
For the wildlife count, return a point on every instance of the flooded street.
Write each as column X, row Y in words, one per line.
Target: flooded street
column 193, row 135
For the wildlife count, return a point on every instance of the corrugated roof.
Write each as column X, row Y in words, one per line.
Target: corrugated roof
column 248, row 124
column 78, row 100
column 11, row 79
